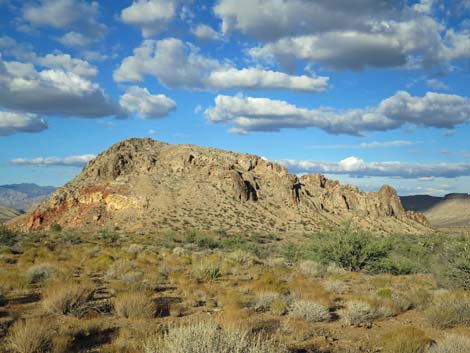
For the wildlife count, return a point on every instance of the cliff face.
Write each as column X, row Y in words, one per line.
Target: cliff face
column 146, row 185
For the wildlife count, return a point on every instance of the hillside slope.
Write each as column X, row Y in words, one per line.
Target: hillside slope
column 145, row 185
column 7, row 213
column 452, row 210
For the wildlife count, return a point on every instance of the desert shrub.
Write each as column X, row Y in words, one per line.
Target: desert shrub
column 292, row 252
column 359, row 313
column 242, row 258
column 352, row 250
column 402, row 302
column 206, row 271
column 332, row 269
column 264, row 300
column 179, row 251
column 201, row 240
column 134, row 306
column 7, row 236
column 388, row 303
column 169, row 239
column 311, row 268
column 3, row 299
column 135, row 249
column 132, row 277
column 279, row 306
column 234, row 242
column 13, row 281
column 309, row 311
column 56, row 227
column 30, row 336
column 207, row 337
column 420, row 298
column 68, row 298
column 335, row 286
column 449, row 309
column 452, row 263
column 451, row 344
column 108, row 236
column 271, row 282
column 70, row 238
column 119, row 268
column 405, row 340
column 41, row 272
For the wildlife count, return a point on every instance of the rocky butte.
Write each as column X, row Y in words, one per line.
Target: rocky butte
column 145, row 185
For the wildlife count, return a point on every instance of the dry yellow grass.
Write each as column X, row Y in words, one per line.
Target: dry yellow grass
column 134, row 305
column 69, row 298
column 405, row 340
column 31, row 336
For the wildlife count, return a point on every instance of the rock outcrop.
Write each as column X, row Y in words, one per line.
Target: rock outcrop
column 146, row 185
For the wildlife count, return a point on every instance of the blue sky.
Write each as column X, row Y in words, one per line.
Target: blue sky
column 368, row 92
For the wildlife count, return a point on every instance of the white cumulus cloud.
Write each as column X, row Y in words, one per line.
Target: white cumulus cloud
column 177, row 64
column 364, row 145
column 70, row 161
column 53, row 91
column 82, row 16
column 249, row 114
column 344, row 34
column 357, row 167
column 67, row 63
column 151, row 16
column 146, row 105
column 11, row 123
column 254, row 78
column 205, row 32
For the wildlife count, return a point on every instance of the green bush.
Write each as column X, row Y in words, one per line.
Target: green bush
column 56, row 227
column 201, row 240
column 7, row 236
column 452, row 262
column 350, row 249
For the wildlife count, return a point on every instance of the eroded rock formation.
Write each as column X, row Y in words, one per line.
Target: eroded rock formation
column 145, row 185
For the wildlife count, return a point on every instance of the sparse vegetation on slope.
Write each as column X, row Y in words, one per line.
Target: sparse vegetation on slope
column 117, row 292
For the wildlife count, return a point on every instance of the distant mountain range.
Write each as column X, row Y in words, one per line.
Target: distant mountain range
column 23, row 196
column 452, row 210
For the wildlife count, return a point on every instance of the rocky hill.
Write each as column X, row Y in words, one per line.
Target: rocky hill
column 7, row 213
column 145, row 185
column 24, row 196
column 452, row 210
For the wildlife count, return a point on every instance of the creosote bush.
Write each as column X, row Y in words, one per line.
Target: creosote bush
column 207, row 337
column 30, row 336
column 350, row 249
